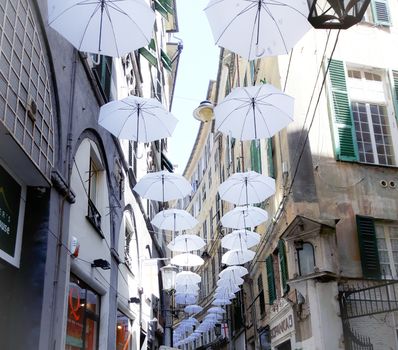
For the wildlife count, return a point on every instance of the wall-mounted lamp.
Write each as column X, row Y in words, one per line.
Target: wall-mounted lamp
column 101, row 263
column 134, row 300
column 204, row 112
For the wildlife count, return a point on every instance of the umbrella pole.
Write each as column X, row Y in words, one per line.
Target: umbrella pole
column 100, row 31
column 253, row 103
column 247, row 193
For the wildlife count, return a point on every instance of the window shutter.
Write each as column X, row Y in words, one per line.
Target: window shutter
column 283, row 264
column 270, row 160
column 395, row 91
column 368, row 247
column 255, row 156
column 344, row 134
column 381, row 12
column 270, row 280
column 149, row 53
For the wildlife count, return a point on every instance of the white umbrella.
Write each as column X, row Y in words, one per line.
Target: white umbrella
column 106, row 27
column 231, row 278
column 214, row 317
column 224, row 295
column 237, row 257
column 240, row 239
column 234, row 271
column 186, row 243
column 254, row 112
column 247, row 188
column 258, row 28
column 186, row 288
column 187, row 277
column 216, row 310
column 192, row 309
column 185, row 299
column 224, row 282
column 220, row 302
column 228, row 289
column 242, row 217
column 187, row 259
column 174, row 220
column 138, row 119
column 163, row 186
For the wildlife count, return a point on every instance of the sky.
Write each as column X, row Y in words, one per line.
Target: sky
column 198, row 64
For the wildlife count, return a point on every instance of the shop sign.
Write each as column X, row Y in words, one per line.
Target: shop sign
column 282, row 328
column 11, row 213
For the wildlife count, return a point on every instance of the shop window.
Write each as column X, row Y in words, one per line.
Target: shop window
column 123, row 332
column 306, row 257
column 83, row 318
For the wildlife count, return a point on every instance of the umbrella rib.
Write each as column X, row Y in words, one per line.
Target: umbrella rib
column 234, row 110
column 248, row 8
column 278, row 3
column 125, row 122
column 117, row 8
column 244, row 121
column 277, row 26
column 88, row 23
column 71, row 7
column 113, row 28
column 280, row 110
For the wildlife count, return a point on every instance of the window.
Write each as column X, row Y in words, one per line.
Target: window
column 362, row 119
column 373, row 133
column 103, row 75
column 261, row 295
column 306, row 258
column 205, row 231
column 211, row 223
column 93, row 214
column 123, row 332
column 83, row 316
column 387, row 246
column 283, row 265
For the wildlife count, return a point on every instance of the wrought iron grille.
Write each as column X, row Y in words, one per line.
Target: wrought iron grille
column 355, row 341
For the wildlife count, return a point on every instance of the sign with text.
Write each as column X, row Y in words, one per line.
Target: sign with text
column 10, row 213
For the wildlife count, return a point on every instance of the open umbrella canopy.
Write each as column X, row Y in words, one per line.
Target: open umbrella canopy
column 187, row 259
column 216, row 310
column 193, row 309
column 163, row 186
column 186, row 299
column 186, row 243
column 187, row 277
column 237, row 257
column 227, row 289
column 221, row 302
column 224, row 295
column 240, row 239
column 107, row 27
column 226, row 282
column 137, row 119
column 257, row 28
column 174, row 220
column 234, row 271
column 247, row 188
column 186, row 288
column 254, row 112
column 242, row 217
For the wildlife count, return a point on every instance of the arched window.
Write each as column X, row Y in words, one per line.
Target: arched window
column 306, row 258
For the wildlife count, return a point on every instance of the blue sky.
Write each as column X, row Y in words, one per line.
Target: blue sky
column 198, row 65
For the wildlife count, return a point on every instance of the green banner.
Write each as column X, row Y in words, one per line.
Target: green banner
column 10, row 197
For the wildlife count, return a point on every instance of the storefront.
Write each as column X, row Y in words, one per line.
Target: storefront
column 282, row 326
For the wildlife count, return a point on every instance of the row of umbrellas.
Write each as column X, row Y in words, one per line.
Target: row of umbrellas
column 250, row 28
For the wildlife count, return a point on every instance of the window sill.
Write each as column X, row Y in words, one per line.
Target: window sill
column 96, row 228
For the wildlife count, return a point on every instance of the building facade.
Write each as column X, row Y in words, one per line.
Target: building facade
column 324, row 272
column 75, row 239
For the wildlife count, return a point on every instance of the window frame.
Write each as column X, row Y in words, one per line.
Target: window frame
column 298, row 250
column 393, row 266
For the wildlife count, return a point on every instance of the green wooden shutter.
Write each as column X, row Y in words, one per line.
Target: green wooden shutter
column 395, row 91
column 283, row 264
column 166, row 60
column 270, row 160
column 270, row 280
column 381, row 12
column 255, row 156
column 346, row 147
column 368, row 247
column 149, row 53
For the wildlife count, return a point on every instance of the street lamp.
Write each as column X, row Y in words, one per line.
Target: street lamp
column 204, row 112
column 169, row 273
column 336, row 14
